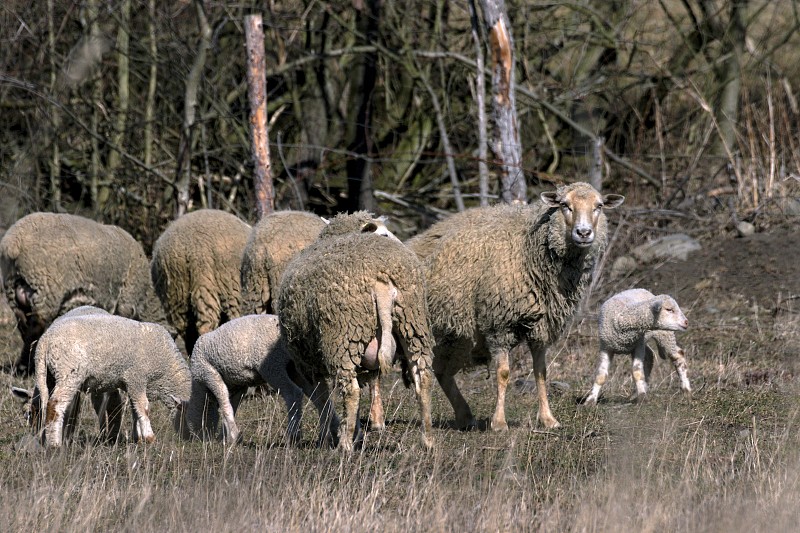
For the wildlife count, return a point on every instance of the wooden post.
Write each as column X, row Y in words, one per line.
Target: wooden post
column 257, row 96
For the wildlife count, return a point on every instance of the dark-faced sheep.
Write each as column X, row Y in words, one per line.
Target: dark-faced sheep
column 246, row 352
column 502, row 275
column 195, row 269
column 52, row 263
column 347, row 306
column 103, row 353
column 628, row 320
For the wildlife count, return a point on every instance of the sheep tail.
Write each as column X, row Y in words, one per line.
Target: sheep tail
column 385, row 294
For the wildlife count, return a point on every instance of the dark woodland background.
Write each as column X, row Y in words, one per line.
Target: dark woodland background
column 110, row 108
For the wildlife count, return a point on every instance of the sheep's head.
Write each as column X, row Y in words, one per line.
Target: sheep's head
column 582, row 206
column 667, row 314
column 358, row 222
column 30, row 406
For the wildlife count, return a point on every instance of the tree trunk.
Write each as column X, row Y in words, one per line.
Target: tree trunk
column 506, row 143
column 123, row 92
column 183, row 173
column 730, row 80
column 55, row 116
column 152, row 84
column 257, row 97
column 480, row 90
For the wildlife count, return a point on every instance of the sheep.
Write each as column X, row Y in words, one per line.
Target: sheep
column 103, row 353
column 501, row 275
column 273, row 242
column 245, row 352
column 628, row 320
column 107, row 405
column 195, row 269
column 279, row 237
column 52, row 263
column 346, row 304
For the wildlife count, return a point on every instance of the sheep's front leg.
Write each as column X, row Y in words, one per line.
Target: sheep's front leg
column 679, row 361
column 545, row 416
column 600, row 377
column 377, row 419
column 350, row 394
column 108, row 407
column 142, row 430
column 639, row 355
column 500, row 356
column 320, row 396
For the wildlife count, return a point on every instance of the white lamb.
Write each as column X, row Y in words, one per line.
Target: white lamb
column 629, row 320
column 246, row 352
column 102, row 353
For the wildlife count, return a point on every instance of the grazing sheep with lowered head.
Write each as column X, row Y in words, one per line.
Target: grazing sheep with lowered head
column 630, row 319
column 245, row 352
column 498, row 276
column 348, row 305
column 102, row 353
column 52, row 263
column 195, row 268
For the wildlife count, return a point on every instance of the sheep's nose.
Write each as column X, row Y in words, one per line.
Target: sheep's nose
column 583, row 233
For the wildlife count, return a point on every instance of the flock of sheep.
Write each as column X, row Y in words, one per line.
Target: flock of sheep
column 305, row 305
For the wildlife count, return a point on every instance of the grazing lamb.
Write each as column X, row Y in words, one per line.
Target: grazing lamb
column 498, row 276
column 52, row 263
column 346, row 304
column 108, row 405
column 242, row 353
column 103, row 353
column 195, row 269
column 630, row 319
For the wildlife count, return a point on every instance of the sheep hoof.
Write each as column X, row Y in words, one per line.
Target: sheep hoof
column 499, row 425
column 589, row 401
column 428, row 442
column 550, row 422
column 467, row 425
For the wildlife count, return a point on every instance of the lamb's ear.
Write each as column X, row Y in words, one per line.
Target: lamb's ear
column 610, row 201
column 325, row 220
column 655, row 307
column 550, row 199
column 23, row 395
column 369, row 227
column 178, row 402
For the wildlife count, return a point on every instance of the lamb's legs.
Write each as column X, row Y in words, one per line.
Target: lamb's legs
column 350, row 394
column 600, row 377
column 679, row 361
column 57, row 405
column 108, row 407
column 503, row 374
column 639, row 354
column 214, row 382
column 545, row 416
column 377, row 419
column 142, row 430
column 445, row 372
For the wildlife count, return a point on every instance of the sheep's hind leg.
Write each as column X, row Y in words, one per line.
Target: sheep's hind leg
column 503, row 375
column 57, row 405
column 600, row 377
column 352, row 430
column 445, row 372
column 422, row 387
column 639, row 354
column 545, row 416
column 377, row 419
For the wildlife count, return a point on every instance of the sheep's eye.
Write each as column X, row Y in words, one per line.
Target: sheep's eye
column 598, row 207
column 565, row 206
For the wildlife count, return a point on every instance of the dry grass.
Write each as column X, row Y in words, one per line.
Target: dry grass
column 724, row 460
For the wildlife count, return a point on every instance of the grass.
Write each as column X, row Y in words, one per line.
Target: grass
column 724, row 460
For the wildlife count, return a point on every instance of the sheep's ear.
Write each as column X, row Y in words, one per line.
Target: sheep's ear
column 325, row 220
column 369, row 227
column 178, row 402
column 550, row 199
column 656, row 306
column 610, row 201
column 24, row 395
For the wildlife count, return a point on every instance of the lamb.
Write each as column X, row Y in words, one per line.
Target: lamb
column 501, row 275
column 195, row 269
column 108, row 405
column 103, row 353
column 242, row 353
column 630, row 319
column 52, row 263
column 278, row 238
column 346, row 304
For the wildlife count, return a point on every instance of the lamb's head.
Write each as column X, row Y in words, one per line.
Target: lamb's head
column 30, row 406
column 582, row 209
column 667, row 314
column 358, row 222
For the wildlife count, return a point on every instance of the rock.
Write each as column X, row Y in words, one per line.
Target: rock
column 745, row 229
column 623, row 265
column 675, row 246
